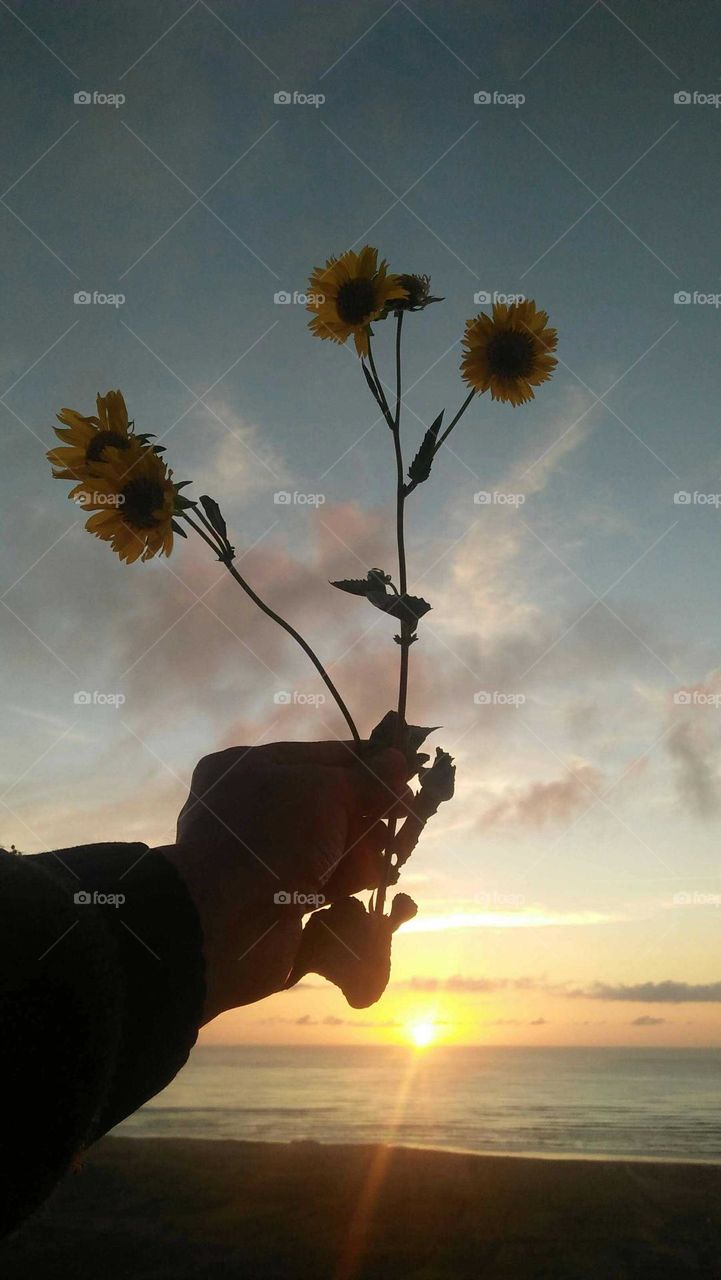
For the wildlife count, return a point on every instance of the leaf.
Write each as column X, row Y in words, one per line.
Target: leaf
column 420, row 468
column 438, row 782
column 214, row 514
column 417, row 735
column 354, row 586
column 178, row 528
column 372, row 385
column 407, row 608
column 375, row 582
column 384, row 734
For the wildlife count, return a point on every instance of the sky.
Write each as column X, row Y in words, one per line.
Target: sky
column 571, row 894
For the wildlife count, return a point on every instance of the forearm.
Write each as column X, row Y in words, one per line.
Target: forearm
column 100, row 1002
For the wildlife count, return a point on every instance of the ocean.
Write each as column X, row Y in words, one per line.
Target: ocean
column 641, row 1103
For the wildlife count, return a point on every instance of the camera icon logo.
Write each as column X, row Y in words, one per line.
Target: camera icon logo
column 482, row 98
column 82, row 698
column 82, row 98
column 682, row 98
column 482, row 498
column 682, row 296
column 282, row 97
column 682, row 698
column 282, row 698
column 282, row 297
column 482, row 297
column 282, row 898
column 82, row 298
column 681, row 498
column 482, row 698
column 282, row 498
column 82, row 897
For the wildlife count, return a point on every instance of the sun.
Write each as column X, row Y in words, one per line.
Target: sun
column 422, row 1034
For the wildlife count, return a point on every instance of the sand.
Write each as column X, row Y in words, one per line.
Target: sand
column 145, row 1209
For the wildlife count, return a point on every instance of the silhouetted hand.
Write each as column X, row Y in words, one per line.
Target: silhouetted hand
column 269, row 833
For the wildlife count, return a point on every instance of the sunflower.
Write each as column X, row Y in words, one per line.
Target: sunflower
column 348, row 293
column 91, row 444
column 133, row 508
column 509, row 353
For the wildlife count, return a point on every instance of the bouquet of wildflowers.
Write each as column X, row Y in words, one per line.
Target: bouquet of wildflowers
column 122, row 478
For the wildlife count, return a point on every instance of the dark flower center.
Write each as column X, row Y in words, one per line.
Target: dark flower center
column 511, row 353
column 100, row 442
column 417, row 289
column 141, row 498
column 356, row 300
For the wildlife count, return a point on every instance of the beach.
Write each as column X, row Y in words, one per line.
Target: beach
column 184, row 1208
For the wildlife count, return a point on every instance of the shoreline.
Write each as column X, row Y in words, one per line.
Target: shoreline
column 580, row 1157
column 190, row 1208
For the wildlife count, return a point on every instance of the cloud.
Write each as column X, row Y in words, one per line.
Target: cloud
column 307, row 1020
column 531, row 917
column 235, row 458
column 668, row 992
column 647, row 1021
column 459, row 984
column 542, row 803
column 695, row 749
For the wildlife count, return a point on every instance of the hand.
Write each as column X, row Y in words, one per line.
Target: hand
column 267, row 834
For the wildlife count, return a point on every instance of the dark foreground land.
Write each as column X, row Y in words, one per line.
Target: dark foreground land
column 176, row 1209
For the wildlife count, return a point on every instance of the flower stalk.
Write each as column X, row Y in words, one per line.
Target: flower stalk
column 406, row 637
column 226, row 554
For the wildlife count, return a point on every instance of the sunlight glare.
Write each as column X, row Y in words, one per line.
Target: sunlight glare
column 422, row 1034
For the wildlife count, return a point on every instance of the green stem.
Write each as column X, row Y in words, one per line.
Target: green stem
column 224, row 553
column 403, row 587
column 385, row 408
column 452, row 424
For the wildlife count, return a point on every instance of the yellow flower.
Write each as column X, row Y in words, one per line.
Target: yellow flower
column 133, row 508
column 91, row 444
column 509, row 353
column 348, row 293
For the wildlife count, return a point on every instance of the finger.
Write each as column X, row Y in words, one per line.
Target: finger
column 333, row 754
column 365, row 841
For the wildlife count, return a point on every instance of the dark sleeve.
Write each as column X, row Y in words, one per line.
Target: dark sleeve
column 101, row 996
